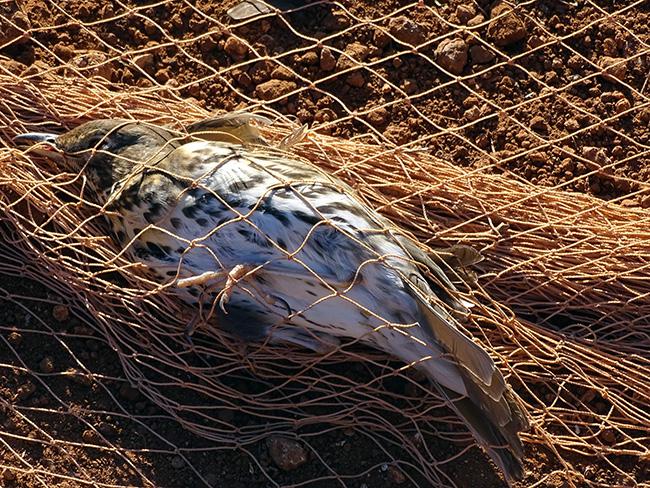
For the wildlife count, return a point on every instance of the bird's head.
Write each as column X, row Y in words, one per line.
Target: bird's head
column 105, row 150
column 77, row 145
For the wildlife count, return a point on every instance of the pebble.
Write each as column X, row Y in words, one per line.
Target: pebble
column 538, row 124
column 356, row 79
column 406, row 31
column 380, row 38
column 410, row 86
column 508, row 29
column 282, row 73
column 89, row 436
column 614, row 68
column 46, row 365
column 571, row 125
column 451, row 54
column 94, row 63
column 127, row 392
column 476, row 20
column 235, row 48
column 60, row 313
column 24, row 391
column 327, row 60
column 595, row 154
column 8, row 475
column 178, row 462
column 287, row 454
column 396, row 475
column 144, row 61
column 378, row 117
column 15, row 338
column 273, row 89
column 62, row 51
column 481, row 54
column 309, row 58
column 464, row 13
column 623, row 105
column 473, row 113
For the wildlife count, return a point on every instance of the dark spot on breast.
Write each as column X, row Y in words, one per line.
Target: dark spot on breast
column 307, row 218
column 245, row 233
column 282, row 244
column 176, row 222
column 309, row 292
column 171, row 273
column 269, row 209
column 120, row 235
column 180, row 250
column 159, row 252
column 190, row 212
column 202, row 222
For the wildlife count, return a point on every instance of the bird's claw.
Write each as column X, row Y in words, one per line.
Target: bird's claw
column 234, row 275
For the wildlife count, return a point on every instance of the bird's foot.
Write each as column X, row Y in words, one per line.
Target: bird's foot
column 234, row 275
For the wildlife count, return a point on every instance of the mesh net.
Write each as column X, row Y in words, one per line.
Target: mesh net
column 522, row 133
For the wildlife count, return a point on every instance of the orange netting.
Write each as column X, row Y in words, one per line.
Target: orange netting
column 563, row 287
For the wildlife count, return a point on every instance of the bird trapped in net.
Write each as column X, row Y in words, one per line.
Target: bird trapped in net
column 268, row 247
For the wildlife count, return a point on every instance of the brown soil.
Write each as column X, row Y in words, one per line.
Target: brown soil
column 507, row 114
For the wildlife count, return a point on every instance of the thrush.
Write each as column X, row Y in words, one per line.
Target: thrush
column 272, row 248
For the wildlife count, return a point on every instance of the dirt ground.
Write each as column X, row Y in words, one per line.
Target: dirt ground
column 579, row 66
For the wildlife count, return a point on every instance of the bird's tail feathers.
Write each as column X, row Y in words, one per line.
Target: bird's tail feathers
column 492, row 411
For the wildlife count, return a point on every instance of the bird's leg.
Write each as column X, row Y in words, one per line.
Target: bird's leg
column 234, row 275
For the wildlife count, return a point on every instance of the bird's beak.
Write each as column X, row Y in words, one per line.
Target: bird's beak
column 31, row 138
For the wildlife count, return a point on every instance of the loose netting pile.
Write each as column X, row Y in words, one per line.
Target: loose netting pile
column 523, row 134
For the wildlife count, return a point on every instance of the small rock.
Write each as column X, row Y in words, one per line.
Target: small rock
column 274, row 89
column 613, row 68
column 623, row 105
column 60, row 313
column 8, row 475
column 15, row 338
column 287, row 454
column 406, row 31
column 451, row 54
column 335, row 21
column 476, row 21
column 24, row 391
column 327, row 60
column 571, row 125
column 537, row 158
column 106, row 429
column 89, row 436
column 506, row 27
column 325, row 115
column 144, row 61
column 464, row 13
column 207, row 44
column 609, row 436
column 355, row 79
column 46, row 365
column 94, row 63
column 481, row 54
column 282, row 73
column 309, row 58
column 177, row 462
column 595, row 154
column 538, row 124
column 380, row 38
column 396, row 475
column 378, row 117
column 62, row 51
column 355, row 53
column 473, row 113
column 535, row 41
column 410, row 86
column 235, row 48
column 127, row 392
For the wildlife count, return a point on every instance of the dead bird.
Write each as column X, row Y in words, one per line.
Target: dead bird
column 278, row 250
